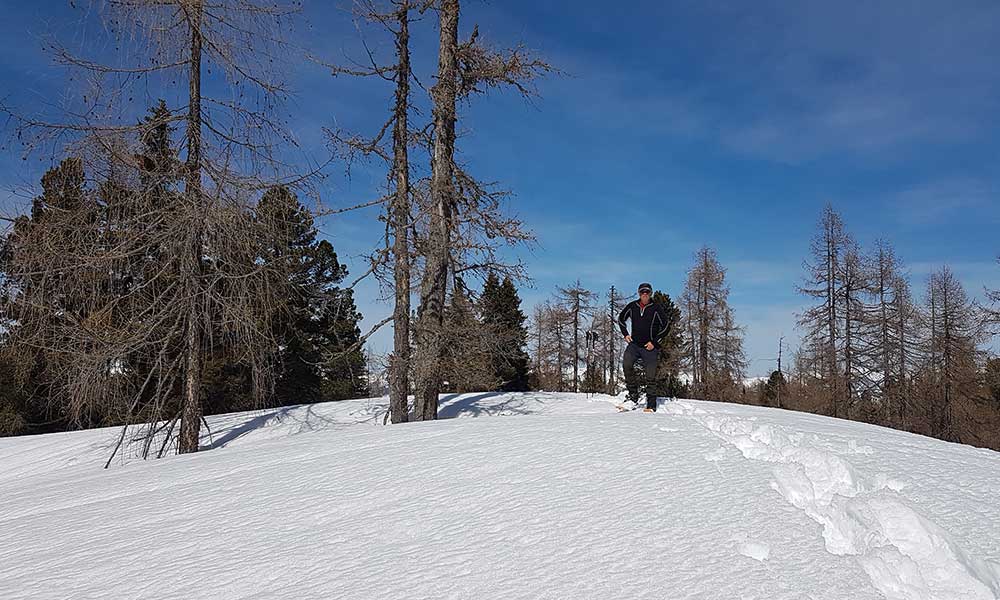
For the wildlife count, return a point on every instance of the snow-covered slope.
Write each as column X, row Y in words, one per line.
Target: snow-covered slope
column 552, row 496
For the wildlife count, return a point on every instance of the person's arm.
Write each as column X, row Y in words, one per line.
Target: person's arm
column 624, row 316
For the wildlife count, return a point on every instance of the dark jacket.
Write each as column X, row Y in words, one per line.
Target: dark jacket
column 649, row 323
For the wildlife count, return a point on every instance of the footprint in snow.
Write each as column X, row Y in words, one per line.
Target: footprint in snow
column 755, row 550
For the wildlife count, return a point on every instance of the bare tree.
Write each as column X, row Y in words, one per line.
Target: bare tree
column 394, row 19
column 551, row 360
column 715, row 341
column 853, row 286
column 462, row 218
column 993, row 314
column 888, row 331
column 822, row 324
column 954, row 333
column 188, row 222
column 578, row 302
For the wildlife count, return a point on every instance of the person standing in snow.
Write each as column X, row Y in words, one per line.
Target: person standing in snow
column 649, row 325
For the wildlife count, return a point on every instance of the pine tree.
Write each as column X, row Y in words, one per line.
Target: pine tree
column 668, row 366
column 320, row 321
column 775, row 389
column 467, row 361
column 500, row 312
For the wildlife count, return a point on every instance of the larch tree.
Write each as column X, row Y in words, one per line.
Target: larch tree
column 395, row 18
column 822, row 324
column 462, row 219
column 185, row 217
column 578, row 303
column 715, row 342
column 954, row 332
column 853, row 288
column 888, row 331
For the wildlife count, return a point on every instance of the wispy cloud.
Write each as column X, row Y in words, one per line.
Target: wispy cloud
column 938, row 202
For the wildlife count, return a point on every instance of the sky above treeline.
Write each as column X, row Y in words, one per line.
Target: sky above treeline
column 672, row 125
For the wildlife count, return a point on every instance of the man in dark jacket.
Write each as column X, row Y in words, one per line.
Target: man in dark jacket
column 649, row 325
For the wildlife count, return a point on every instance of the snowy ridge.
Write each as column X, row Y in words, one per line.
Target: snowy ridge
column 514, row 496
column 906, row 555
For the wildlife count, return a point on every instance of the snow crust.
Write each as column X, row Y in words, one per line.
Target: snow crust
column 560, row 496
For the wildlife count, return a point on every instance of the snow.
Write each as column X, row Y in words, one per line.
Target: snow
column 534, row 495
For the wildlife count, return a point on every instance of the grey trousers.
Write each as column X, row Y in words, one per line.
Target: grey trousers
column 633, row 353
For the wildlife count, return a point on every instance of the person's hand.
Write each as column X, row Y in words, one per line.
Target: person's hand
column 649, row 345
column 628, row 339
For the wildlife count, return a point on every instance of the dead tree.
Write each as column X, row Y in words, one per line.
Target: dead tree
column 187, row 223
column 578, row 303
column 715, row 343
column 993, row 314
column 954, row 334
column 396, row 21
column 822, row 324
column 463, row 70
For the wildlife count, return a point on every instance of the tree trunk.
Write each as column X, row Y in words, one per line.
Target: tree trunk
column 435, row 278
column 831, row 300
column 576, row 345
column 399, row 383
column 191, row 413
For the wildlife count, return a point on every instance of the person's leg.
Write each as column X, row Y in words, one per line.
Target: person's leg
column 628, row 366
column 649, row 358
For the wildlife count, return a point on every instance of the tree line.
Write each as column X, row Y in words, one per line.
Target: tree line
column 876, row 351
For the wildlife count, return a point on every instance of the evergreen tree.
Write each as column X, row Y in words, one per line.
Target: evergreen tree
column 467, row 359
column 500, row 311
column 668, row 366
column 320, row 321
column 774, row 390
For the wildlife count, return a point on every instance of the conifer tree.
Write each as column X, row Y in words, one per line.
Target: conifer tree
column 668, row 365
column 500, row 312
column 320, row 321
column 467, row 362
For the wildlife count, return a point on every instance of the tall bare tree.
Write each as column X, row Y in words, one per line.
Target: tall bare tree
column 954, row 334
column 822, row 324
column 888, row 332
column 578, row 302
column 463, row 217
column 993, row 313
column 395, row 18
column 852, row 289
column 715, row 342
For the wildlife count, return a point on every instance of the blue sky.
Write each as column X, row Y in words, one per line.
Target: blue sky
column 675, row 125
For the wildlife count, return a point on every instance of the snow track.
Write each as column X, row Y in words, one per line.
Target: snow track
column 905, row 554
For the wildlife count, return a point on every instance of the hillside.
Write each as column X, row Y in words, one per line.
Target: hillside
column 543, row 495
